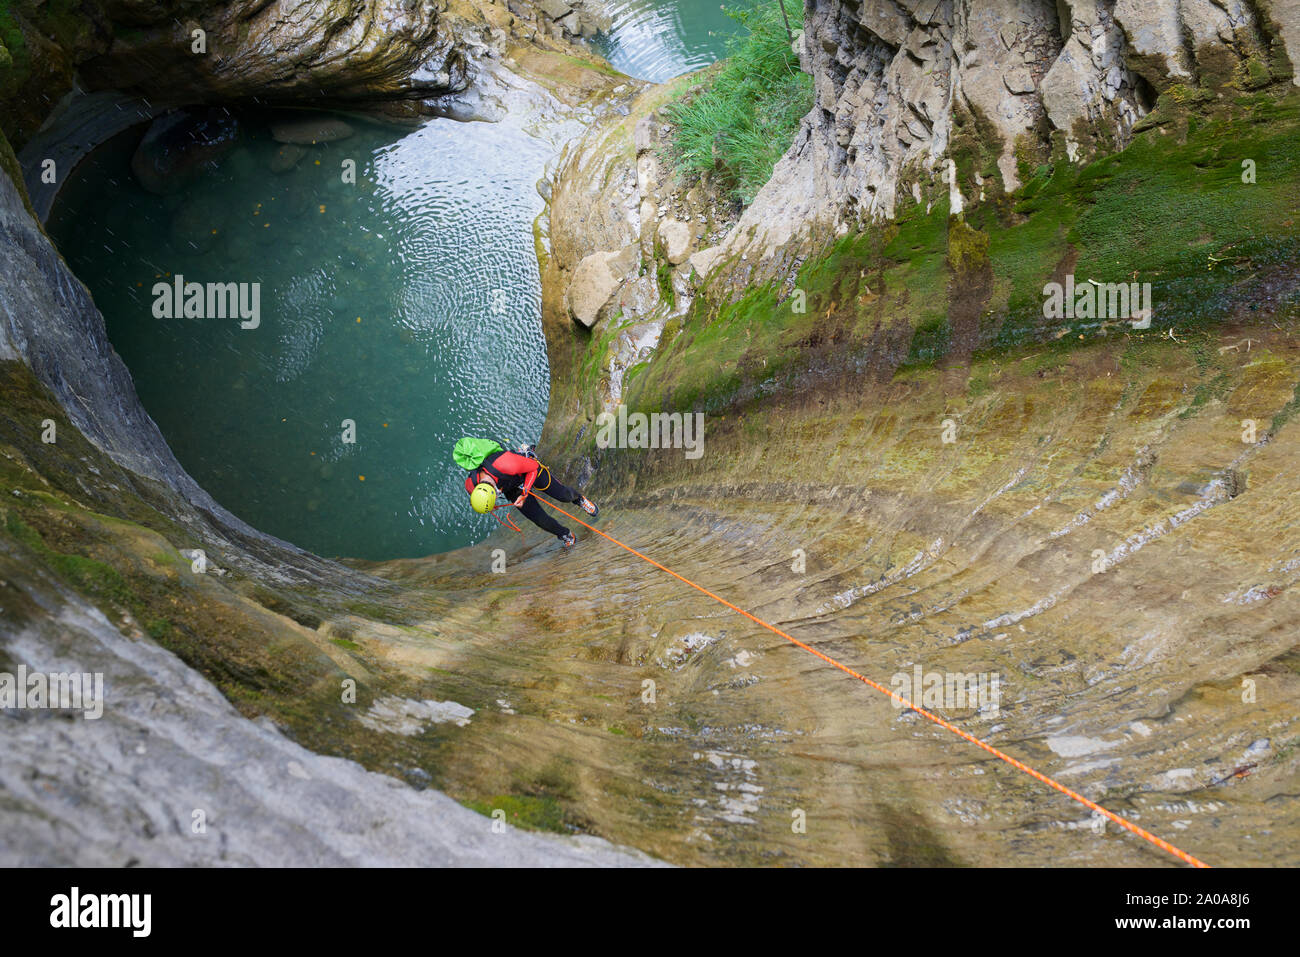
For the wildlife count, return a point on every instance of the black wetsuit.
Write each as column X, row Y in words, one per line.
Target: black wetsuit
column 512, row 472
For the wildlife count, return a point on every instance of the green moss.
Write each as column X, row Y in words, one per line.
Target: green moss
column 664, row 279
column 975, row 146
column 968, row 249
column 95, row 579
column 12, row 39
column 670, row 331
column 533, row 813
column 1287, row 413
column 588, row 63
column 377, row 612
column 158, row 629
column 633, row 371
column 1032, row 155
column 930, row 341
column 858, row 283
column 1254, row 74
column 11, row 167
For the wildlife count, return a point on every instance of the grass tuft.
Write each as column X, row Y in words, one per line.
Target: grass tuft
column 736, row 128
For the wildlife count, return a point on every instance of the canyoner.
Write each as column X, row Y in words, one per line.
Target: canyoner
column 495, row 472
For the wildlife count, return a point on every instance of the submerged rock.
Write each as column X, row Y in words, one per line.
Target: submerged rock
column 287, row 157
column 310, row 130
column 196, row 226
column 179, row 146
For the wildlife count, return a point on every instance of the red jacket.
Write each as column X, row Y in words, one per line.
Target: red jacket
column 505, row 470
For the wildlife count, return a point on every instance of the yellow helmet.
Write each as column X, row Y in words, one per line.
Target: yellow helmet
column 484, row 498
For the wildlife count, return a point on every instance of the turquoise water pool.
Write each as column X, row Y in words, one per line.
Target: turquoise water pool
column 401, row 311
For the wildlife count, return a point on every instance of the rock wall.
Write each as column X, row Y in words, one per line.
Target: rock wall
column 898, row 80
column 181, row 51
column 403, row 57
column 627, row 240
column 915, row 101
column 170, row 753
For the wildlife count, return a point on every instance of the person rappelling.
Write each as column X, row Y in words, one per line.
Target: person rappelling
column 495, row 472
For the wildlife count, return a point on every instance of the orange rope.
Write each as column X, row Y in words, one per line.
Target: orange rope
column 1019, row 765
column 509, row 521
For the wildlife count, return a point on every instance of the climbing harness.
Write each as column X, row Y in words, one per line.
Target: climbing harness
column 542, row 468
column 1019, row 765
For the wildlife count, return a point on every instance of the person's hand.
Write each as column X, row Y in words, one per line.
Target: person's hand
column 519, row 502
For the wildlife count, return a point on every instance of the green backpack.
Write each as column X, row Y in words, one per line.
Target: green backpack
column 470, row 453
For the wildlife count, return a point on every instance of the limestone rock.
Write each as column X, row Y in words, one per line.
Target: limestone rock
column 894, row 80
column 675, row 239
column 643, row 134
column 303, row 50
column 555, row 9
column 595, row 280
column 1019, row 81
column 703, row 260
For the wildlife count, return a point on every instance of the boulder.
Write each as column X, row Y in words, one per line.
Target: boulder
column 197, row 225
column 1018, row 81
column 703, row 260
column 1068, row 90
column 555, row 9
column 595, row 280
column 287, row 157
column 179, row 146
column 310, row 129
column 675, row 240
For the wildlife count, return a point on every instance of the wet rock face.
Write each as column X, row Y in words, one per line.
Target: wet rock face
column 167, row 797
column 1117, row 557
column 341, row 51
column 352, row 49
